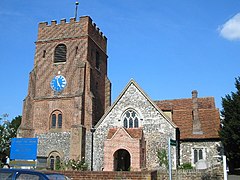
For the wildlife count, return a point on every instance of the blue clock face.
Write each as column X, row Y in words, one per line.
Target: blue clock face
column 58, row 83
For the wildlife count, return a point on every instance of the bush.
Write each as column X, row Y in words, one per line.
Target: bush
column 162, row 158
column 79, row 165
column 186, row 166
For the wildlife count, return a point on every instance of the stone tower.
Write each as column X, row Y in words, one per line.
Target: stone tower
column 68, row 89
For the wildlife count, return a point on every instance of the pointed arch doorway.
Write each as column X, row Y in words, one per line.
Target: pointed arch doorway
column 122, row 160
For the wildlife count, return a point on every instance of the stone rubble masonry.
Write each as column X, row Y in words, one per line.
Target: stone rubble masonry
column 156, row 128
column 210, row 149
column 60, row 142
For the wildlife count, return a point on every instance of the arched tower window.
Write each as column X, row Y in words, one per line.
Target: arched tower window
column 53, row 124
column 59, row 120
column 130, row 119
column 56, row 120
column 60, row 53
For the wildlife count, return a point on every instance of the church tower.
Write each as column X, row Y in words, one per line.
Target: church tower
column 69, row 90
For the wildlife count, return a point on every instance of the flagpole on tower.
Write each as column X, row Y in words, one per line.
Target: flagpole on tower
column 76, row 3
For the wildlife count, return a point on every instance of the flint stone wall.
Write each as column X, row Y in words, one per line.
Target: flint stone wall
column 156, row 128
column 210, row 151
column 57, row 141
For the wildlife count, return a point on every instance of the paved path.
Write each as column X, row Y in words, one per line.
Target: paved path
column 233, row 177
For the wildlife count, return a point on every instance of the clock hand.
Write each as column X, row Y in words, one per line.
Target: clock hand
column 58, row 82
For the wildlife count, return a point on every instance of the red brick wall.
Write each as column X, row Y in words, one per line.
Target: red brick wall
column 122, row 140
column 76, row 100
column 111, row 175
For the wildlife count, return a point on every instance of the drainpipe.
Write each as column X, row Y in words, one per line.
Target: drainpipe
column 92, row 131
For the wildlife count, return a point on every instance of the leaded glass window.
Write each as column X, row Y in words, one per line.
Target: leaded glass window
column 197, row 154
column 130, row 119
column 56, row 120
column 59, row 120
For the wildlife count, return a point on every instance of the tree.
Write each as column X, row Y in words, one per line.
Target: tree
column 8, row 130
column 230, row 131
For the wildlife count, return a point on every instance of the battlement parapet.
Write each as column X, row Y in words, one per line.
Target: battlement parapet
column 83, row 21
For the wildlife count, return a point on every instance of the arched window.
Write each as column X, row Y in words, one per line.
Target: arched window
column 59, row 120
column 60, row 53
column 54, row 161
column 56, row 120
column 136, row 122
column 58, row 163
column 130, row 119
column 53, row 121
column 130, row 123
column 125, row 123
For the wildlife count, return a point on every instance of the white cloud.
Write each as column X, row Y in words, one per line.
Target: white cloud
column 231, row 29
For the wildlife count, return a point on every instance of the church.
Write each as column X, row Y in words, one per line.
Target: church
column 68, row 108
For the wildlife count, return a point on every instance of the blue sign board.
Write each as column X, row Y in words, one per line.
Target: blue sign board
column 23, row 148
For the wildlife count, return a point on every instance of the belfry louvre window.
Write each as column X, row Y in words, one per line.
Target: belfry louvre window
column 60, row 53
column 130, row 119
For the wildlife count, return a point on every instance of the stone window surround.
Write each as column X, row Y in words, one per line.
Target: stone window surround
column 204, row 153
column 136, row 115
column 52, row 158
column 60, row 53
column 57, row 113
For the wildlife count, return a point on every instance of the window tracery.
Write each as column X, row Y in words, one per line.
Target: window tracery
column 130, row 119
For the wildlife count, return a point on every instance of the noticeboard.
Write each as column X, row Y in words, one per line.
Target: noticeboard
column 23, row 149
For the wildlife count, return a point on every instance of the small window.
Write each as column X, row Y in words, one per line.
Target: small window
column 125, row 122
column 6, row 175
column 60, row 53
column 56, row 120
column 200, row 154
column 76, row 50
column 52, row 162
column 97, row 60
column 136, row 122
column 130, row 123
column 58, row 163
column 25, row 176
column 44, row 54
column 197, row 155
column 59, row 120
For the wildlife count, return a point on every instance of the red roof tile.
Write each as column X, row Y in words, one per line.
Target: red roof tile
column 135, row 133
column 182, row 116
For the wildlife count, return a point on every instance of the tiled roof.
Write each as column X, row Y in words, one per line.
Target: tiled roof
column 135, row 133
column 182, row 116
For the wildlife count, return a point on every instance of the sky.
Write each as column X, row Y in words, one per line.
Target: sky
column 169, row 47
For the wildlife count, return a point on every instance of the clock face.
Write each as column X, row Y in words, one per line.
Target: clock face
column 58, row 83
